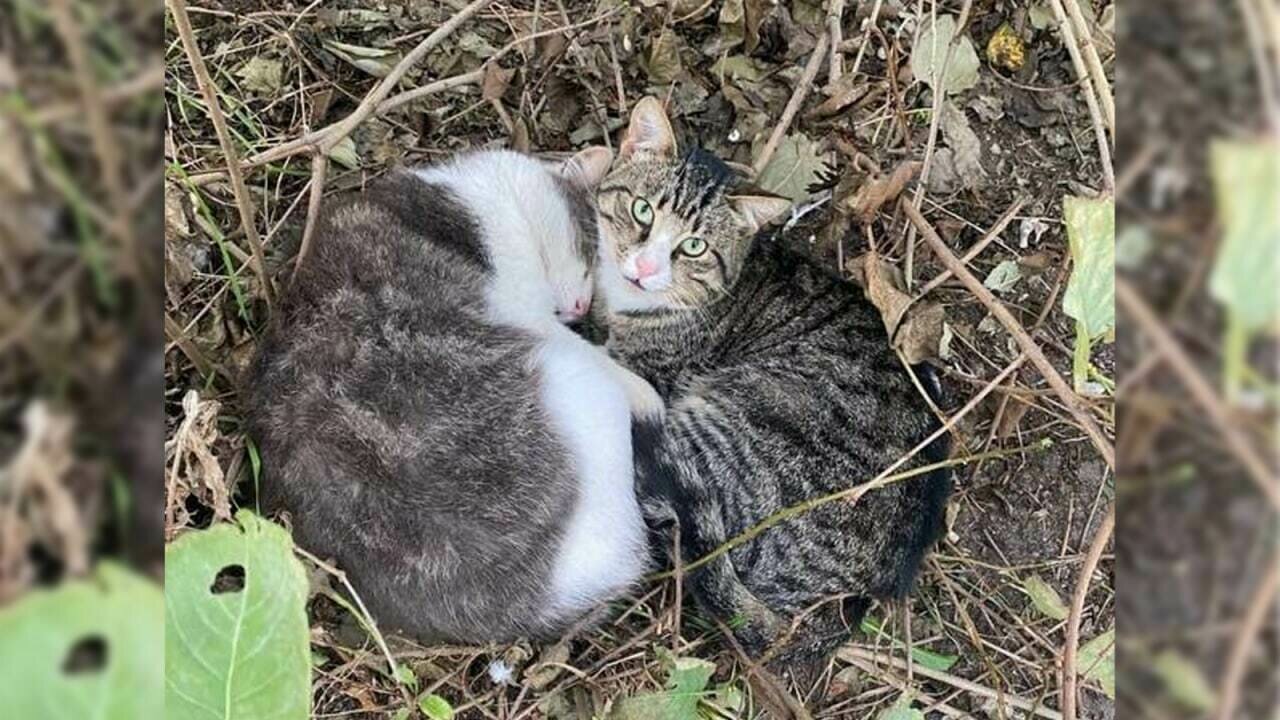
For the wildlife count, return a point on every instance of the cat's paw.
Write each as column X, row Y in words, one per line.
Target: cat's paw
column 645, row 402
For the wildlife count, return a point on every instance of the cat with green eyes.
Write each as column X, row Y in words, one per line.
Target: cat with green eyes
column 780, row 387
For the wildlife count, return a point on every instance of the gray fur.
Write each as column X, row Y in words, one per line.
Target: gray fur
column 402, row 431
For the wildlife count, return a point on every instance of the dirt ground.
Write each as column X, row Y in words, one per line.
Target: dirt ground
column 727, row 71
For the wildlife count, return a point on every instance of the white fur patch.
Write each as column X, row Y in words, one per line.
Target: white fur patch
column 528, row 230
column 603, row 551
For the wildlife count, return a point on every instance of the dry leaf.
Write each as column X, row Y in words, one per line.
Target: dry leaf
column 848, row 90
column 878, row 190
column 914, row 328
column 191, row 467
column 35, row 502
column 495, row 82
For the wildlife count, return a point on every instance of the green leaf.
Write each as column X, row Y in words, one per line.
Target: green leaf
column 921, row 656
column 901, row 710
column 1246, row 179
column 262, row 76
column 686, row 684
column 1091, row 293
column 401, row 714
column 1045, row 598
column 405, row 676
column 930, row 53
column 795, row 166
column 344, row 153
column 1133, row 247
column 236, row 653
column 116, row 608
column 1096, row 660
column 1003, row 277
column 1185, row 682
column 435, row 707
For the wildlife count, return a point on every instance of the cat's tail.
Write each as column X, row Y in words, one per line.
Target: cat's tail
column 672, row 493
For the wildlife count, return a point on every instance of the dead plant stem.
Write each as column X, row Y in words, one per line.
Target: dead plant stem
column 1071, row 643
column 244, row 203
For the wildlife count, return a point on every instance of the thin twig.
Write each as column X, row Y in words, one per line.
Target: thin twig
column 1202, row 393
column 243, row 202
column 853, row 653
column 866, row 38
column 363, row 616
column 1246, row 636
column 1094, row 63
column 793, row 105
column 835, row 12
column 977, row 248
column 319, row 170
column 1010, row 323
column 939, row 89
column 1071, row 644
column 1091, row 95
column 468, row 78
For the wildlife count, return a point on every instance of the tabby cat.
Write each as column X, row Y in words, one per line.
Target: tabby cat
column 426, row 418
column 780, row 387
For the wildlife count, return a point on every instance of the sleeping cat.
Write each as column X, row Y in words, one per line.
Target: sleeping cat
column 780, row 387
column 426, row 418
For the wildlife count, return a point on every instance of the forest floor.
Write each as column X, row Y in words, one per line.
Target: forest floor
column 991, row 157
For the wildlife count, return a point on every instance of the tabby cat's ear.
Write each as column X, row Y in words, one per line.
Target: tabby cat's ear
column 759, row 208
column 587, row 167
column 648, row 132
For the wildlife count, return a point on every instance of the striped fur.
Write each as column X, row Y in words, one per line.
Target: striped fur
column 781, row 387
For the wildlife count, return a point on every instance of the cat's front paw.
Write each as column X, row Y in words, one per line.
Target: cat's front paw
column 645, row 402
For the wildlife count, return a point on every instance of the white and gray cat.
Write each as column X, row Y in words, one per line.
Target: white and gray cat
column 426, row 418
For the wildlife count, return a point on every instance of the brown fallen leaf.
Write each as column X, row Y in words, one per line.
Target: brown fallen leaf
column 847, row 90
column 878, row 190
column 495, row 81
column 190, row 465
column 914, row 328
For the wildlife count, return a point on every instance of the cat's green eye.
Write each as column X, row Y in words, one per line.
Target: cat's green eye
column 693, row 246
column 642, row 211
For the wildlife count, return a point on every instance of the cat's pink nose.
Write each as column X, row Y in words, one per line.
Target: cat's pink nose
column 645, row 267
column 581, row 306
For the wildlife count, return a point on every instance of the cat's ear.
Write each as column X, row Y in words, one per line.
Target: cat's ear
column 587, row 167
column 649, row 131
column 758, row 208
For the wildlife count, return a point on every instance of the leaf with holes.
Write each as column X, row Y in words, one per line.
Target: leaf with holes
column 236, row 640
column 1090, row 297
column 92, row 648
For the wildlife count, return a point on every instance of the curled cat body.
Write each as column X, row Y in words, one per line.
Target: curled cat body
column 781, row 387
column 426, row 418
